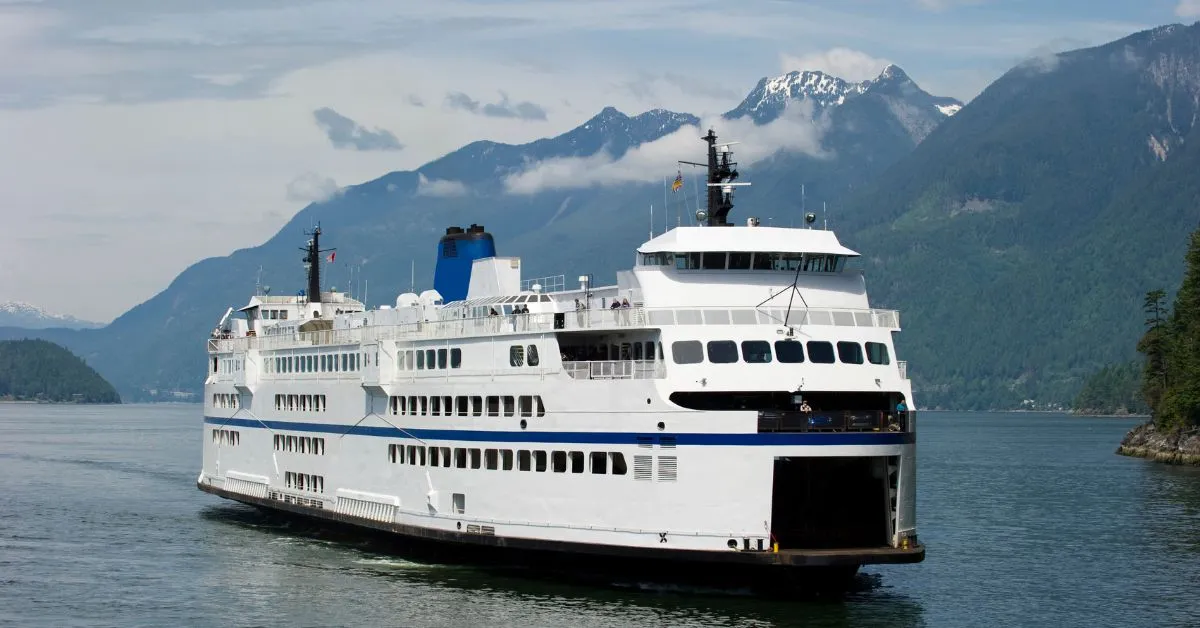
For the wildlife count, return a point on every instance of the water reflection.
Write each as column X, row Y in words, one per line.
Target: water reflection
column 530, row 597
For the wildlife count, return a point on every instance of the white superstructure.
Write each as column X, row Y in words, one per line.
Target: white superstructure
column 739, row 407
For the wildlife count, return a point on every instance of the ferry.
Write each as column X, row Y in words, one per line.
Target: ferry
column 731, row 406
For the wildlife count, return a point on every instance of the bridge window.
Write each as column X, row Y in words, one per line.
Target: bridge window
column 756, row 351
column 739, row 261
column 820, row 352
column 850, row 352
column 722, row 351
column 687, row 352
column 713, row 261
column 877, row 353
column 789, row 351
column 764, row 261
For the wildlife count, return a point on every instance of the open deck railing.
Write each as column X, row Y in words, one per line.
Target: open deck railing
column 615, row 369
column 832, row 421
column 633, row 317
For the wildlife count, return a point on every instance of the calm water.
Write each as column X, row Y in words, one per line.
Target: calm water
column 1029, row 520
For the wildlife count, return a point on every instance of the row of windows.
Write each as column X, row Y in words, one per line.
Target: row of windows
column 597, row 462
column 227, row 437
column 301, row 403
column 302, row 444
column 226, row 365
column 421, row 359
column 786, row 351
column 226, row 400
column 320, row 363
column 739, row 260
column 518, row 356
column 273, row 315
column 420, row 405
column 304, row 482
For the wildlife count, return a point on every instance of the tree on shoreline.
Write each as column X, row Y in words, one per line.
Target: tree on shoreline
column 1171, row 344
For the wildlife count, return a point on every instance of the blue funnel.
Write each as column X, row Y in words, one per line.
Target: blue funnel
column 457, row 250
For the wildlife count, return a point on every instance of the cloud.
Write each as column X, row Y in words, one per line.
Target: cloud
column 415, row 100
column 346, row 133
column 439, row 187
column 1188, row 8
column 311, row 187
column 795, row 131
column 844, row 63
column 523, row 110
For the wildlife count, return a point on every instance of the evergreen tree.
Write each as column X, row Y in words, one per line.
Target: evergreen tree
column 1181, row 401
column 1153, row 345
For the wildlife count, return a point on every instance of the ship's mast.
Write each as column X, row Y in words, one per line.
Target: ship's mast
column 312, row 263
column 722, row 172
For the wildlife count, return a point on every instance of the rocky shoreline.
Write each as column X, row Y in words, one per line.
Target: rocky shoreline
column 1169, row 446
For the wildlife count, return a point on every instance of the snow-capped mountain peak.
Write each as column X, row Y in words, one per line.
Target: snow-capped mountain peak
column 29, row 316
column 771, row 96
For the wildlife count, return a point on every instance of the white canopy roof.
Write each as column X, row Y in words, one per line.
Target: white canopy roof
column 745, row 239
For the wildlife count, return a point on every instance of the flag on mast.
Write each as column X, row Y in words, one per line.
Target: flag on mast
column 678, row 182
column 330, row 257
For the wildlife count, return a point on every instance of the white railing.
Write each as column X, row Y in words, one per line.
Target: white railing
column 589, row 319
column 615, row 369
column 903, row 366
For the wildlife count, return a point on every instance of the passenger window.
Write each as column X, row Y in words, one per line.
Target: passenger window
column 523, row 460
column 618, row 463
column 756, row 351
column 558, row 461
column 441, row 357
column 877, row 353
column 429, row 353
column 722, row 351
column 460, row 457
column 476, row 406
column 420, row 360
column 491, row 459
column 516, row 355
column 820, row 352
column 789, row 351
column 506, row 459
column 533, row 355
column 539, row 461
column 455, row 358
column 687, row 351
column 764, row 261
column 493, row 406
column 509, row 406
column 576, row 462
column 541, row 409
column 850, row 352
column 526, row 403
column 461, row 404
column 599, row 462
column 435, row 406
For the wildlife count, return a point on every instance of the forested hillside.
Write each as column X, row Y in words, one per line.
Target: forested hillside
column 37, row 370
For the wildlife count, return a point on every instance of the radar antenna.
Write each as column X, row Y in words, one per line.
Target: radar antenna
column 722, row 173
column 312, row 263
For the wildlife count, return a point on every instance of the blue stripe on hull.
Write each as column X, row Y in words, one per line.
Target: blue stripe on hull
column 595, row 438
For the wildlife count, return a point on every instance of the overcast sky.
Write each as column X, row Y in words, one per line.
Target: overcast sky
column 139, row 136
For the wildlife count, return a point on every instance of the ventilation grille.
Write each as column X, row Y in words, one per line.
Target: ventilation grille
column 374, row 511
column 667, row 442
column 253, row 489
column 668, row 468
column 642, row 467
column 645, row 442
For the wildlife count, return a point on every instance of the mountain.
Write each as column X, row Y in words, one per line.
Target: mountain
column 36, row 370
column 27, row 316
column 1020, row 236
column 576, row 226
